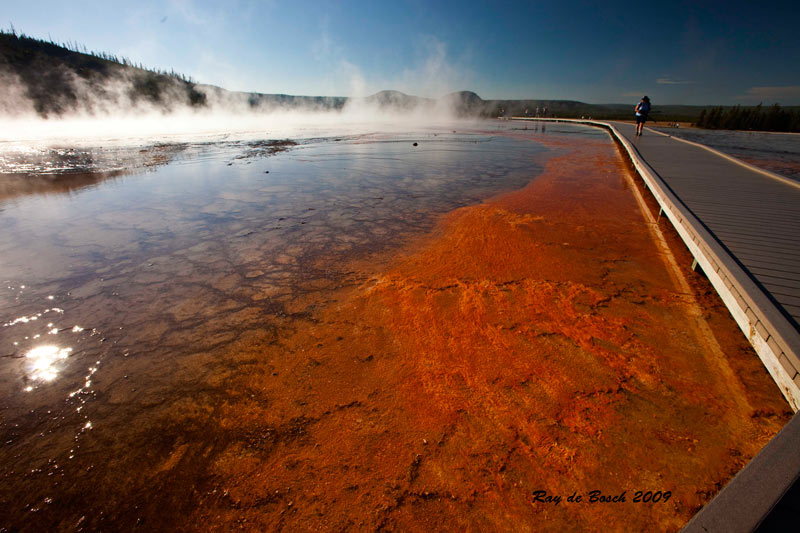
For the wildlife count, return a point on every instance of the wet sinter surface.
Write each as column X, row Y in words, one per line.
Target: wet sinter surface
column 304, row 341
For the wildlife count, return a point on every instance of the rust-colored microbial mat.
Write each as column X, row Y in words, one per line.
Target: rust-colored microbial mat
column 542, row 344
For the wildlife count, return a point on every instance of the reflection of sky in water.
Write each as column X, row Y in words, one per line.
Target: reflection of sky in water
column 219, row 231
column 776, row 152
column 139, row 255
column 189, row 202
column 173, row 264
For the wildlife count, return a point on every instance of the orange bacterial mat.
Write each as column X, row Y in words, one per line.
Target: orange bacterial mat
column 541, row 347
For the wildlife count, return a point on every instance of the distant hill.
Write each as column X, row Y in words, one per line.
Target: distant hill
column 396, row 100
column 57, row 79
column 464, row 104
column 238, row 100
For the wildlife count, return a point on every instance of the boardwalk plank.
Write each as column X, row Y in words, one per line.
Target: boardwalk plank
column 748, row 218
column 738, row 231
column 784, row 267
column 769, row 262
column 766, row 250
column 787, row 299
column 793, row 310
column 773, row 272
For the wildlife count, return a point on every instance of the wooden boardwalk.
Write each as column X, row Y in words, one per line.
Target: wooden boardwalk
column 757, row 218
column 742, row 225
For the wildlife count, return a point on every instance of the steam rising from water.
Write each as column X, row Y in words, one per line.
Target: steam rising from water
column 188, row 125
column 107, row 116
column 52, row 101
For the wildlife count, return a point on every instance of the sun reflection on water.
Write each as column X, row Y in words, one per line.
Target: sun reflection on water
column 44, row 361
column 55, row 366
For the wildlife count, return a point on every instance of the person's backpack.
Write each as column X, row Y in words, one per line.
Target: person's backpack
column 644, row 107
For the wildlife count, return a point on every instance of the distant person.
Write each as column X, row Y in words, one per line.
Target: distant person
column 544, row 111
column 642, row 109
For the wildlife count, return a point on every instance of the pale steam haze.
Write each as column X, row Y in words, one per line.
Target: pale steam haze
column 229, row 120
column 612, row 52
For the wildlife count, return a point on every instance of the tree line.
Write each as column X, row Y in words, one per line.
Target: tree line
column 74, row 46
column 757, row 118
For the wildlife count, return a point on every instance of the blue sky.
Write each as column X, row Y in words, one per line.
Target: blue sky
column 603, row 52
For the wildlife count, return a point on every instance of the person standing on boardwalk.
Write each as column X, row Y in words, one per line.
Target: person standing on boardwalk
column 642, row 109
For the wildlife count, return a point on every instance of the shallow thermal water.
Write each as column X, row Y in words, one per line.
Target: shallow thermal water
column 119, row 289
column 776, row 152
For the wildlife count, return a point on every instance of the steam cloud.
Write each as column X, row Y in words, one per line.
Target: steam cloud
column 115, row 111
